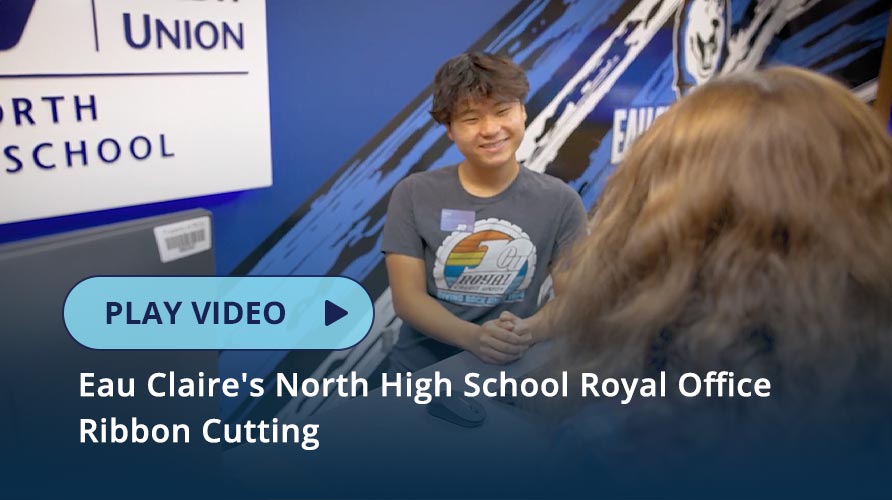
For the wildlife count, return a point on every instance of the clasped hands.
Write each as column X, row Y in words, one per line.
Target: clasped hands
column 503, row 340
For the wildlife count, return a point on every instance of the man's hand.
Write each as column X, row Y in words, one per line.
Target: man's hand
column 518, row 325
column 498, row 343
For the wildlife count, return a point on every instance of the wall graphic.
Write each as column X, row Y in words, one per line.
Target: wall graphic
column 106, row 104
column 600, row 72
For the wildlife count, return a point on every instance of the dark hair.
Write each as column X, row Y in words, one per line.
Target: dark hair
column 476, row 76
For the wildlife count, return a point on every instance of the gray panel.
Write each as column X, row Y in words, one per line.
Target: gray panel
column 40, row 400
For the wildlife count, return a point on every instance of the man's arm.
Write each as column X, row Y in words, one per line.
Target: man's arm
column 535, row 325
column 574, row 222
column 490, row 342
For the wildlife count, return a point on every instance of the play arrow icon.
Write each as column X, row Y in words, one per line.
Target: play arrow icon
column 333, row 312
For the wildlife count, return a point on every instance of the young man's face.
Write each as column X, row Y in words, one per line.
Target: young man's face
column 488, row 132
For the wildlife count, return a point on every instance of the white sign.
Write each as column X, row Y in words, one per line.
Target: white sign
column 110, row 103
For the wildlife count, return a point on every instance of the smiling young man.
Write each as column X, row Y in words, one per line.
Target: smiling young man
column 468, row 246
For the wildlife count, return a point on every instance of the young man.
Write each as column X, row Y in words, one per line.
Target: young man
column 469, row 246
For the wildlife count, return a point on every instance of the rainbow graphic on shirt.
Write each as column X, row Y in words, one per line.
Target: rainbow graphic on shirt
column 493, row 264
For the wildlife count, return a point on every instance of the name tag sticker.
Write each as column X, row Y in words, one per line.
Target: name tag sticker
column 457, row 220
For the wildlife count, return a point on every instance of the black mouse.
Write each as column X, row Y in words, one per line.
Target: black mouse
column 459, row 410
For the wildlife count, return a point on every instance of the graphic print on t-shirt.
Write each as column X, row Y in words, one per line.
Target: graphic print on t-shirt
column 495, row 263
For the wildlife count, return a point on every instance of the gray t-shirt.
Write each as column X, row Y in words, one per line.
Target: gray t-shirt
column 482, row 256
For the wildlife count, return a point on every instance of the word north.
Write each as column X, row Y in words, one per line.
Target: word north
column 208, row 312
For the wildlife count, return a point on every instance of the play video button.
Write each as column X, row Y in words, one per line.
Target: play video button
column 333, row 312
column 219, row 312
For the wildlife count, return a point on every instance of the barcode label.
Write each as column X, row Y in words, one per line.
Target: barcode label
column 183, row 242
column 182, row 239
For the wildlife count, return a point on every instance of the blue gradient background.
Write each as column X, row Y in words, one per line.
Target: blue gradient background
column 405, row 453
column 339, row 71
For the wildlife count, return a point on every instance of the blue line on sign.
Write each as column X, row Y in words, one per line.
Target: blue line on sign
column 113, row 75
column 95, row 26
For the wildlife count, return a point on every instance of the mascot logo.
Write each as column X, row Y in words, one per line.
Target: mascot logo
column 13, row 17
column 493, row 264
column 700, row 42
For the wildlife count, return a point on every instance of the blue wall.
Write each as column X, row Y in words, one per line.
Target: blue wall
column 339, row 70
